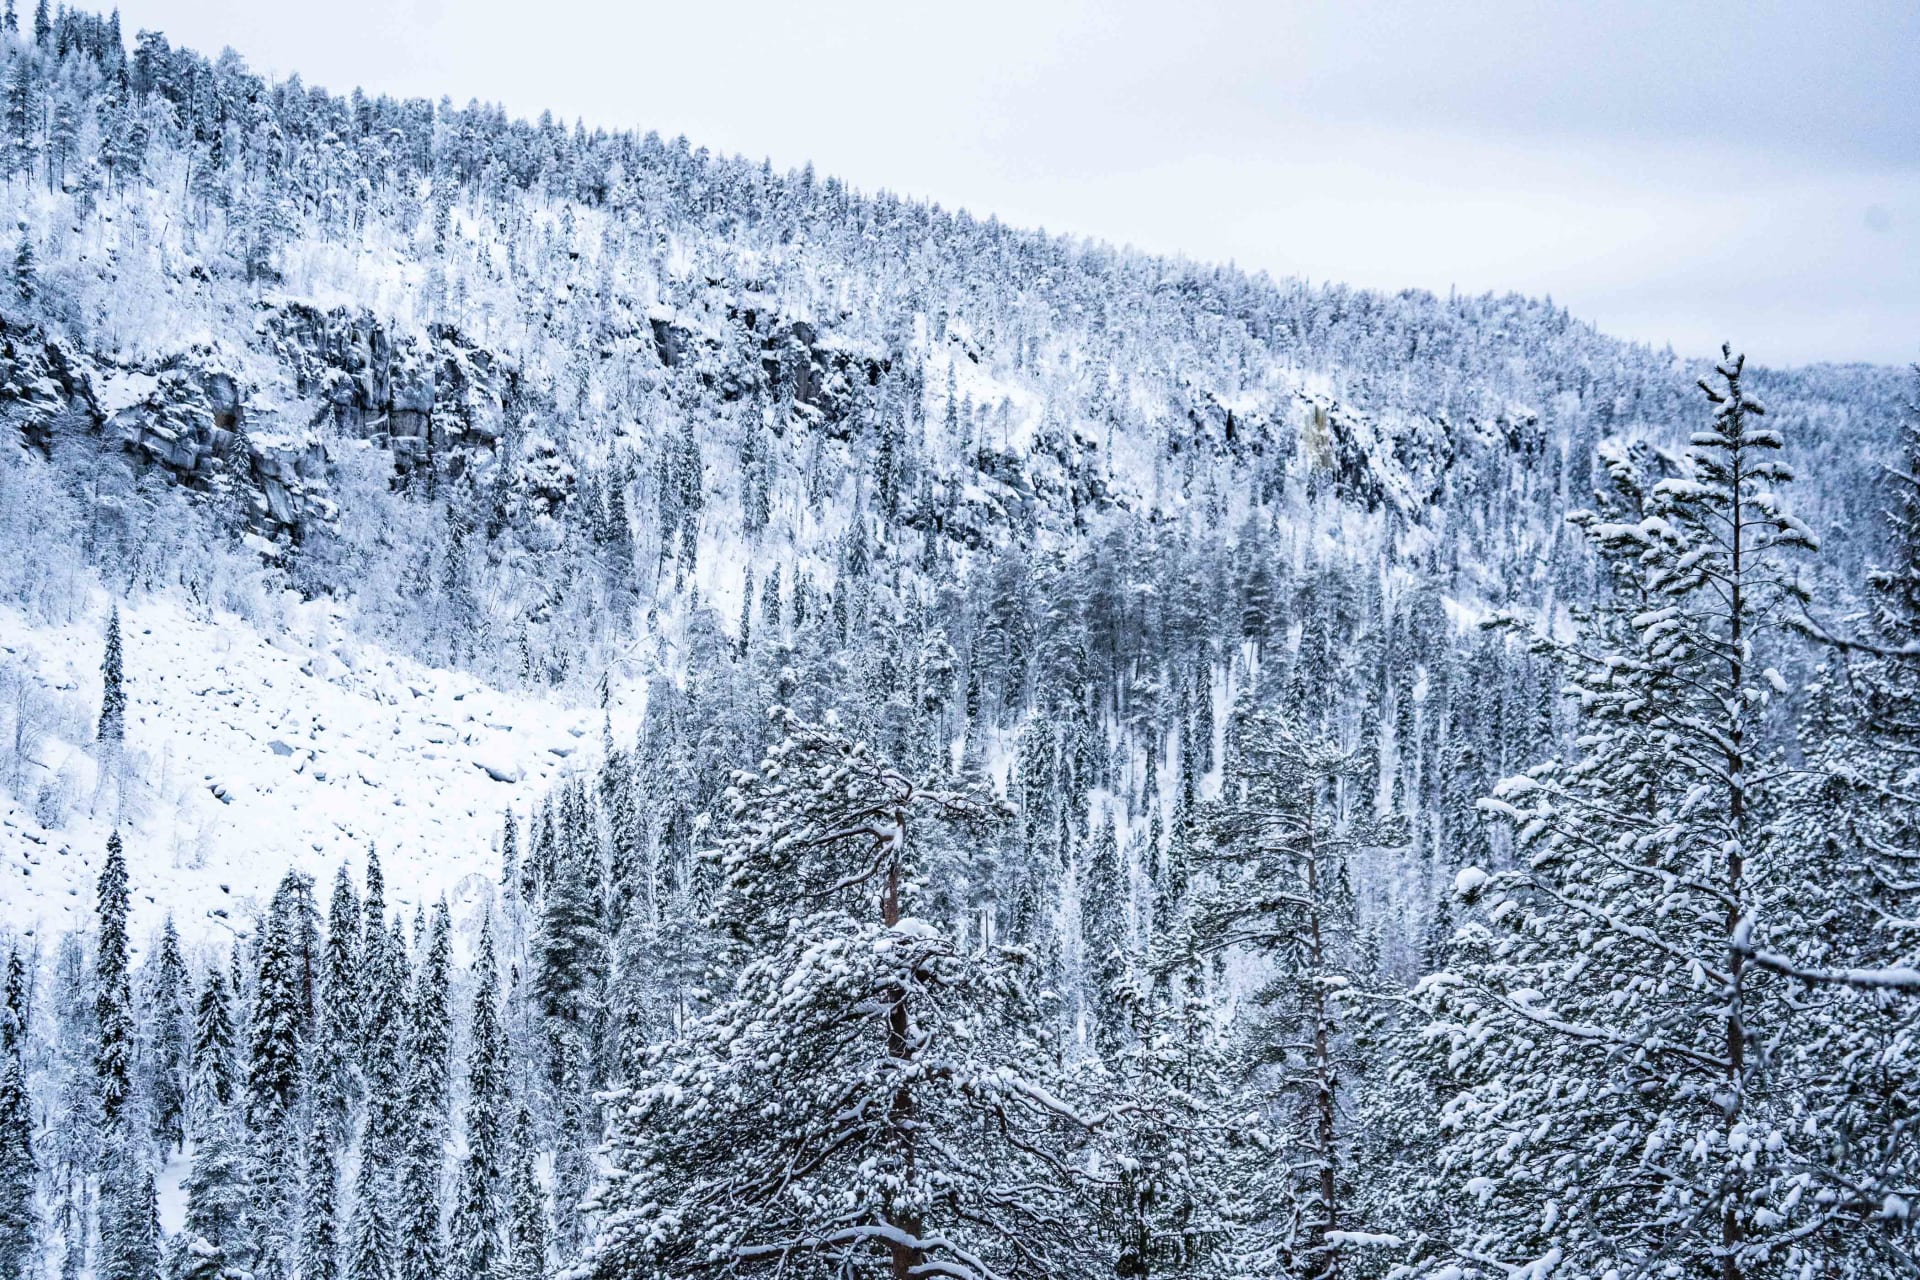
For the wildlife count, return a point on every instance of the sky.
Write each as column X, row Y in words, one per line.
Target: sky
column 1680, row 173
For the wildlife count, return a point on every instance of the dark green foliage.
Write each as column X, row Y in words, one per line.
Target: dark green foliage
column 479, row 1224
column 19, row 1222
column 319, row 1225
column 113, row 696
column 170, row 1041
column 113, row 996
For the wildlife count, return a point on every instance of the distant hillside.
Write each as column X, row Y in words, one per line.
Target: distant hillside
column 573, row 412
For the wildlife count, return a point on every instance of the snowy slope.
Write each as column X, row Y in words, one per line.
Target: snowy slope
column 248, row 753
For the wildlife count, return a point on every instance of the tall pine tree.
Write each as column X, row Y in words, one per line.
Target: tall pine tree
column 216, row 1240
column 1294, row 812
column 422, row 1166
column 338, row 1016
column 864, row 1099
column 19, row 1223
column 113, row 997
column 170, row 1041
column 113, row 696
column 371, row 1247
column 1622, row 1106
column 319, row 1212
column 479, row 1228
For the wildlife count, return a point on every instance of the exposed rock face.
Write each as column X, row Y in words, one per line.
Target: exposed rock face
column 174, row 426
column 430, row 401
column 40, row 379
column 194, row 416
column 292, row 484
column 192, row 421
column 744, row 346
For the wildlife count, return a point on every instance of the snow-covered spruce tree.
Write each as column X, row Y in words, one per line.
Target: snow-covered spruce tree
column 126, row 1243
column 373, row 928
column 1857, row 829
column 527, row 1227
column 1185, row 1134
column 14, row 1011
column 212, row 1085
column 861, row 1100
column 113, row 694
column 570, row 983
column 276, row 1037
column 169, row 1041
column 1294, row 810
column 333, row 1081
column 129, row 1247
column 215, row 1242
column 19, row 1223
column 510, row 857
column 1624, row 1108
column 113, row 997
column 422, row 1168
column 371, row 1248
column 276, row 1048
column 72, row 1147
column 319, row 1209
column 619, row 796
column 1107, row 950
column 382, row 1022
column 25, row 275
column 478, row 1229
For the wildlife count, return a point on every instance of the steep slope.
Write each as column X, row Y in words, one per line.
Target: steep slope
column 555, row 418
column 249, row 753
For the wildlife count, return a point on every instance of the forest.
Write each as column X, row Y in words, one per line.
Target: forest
column 1106, row 765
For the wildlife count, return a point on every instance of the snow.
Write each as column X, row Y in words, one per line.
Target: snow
column 1468, row 882
column 249, row 753
column 170, row 1189
column 122, row 390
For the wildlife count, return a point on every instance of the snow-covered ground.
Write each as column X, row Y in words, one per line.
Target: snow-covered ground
column 247, row 753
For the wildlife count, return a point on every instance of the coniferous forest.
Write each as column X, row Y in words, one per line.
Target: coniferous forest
column 1082, row 763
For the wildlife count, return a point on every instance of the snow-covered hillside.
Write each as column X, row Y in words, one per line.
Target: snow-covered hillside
column 947, row 750
column 249, row 753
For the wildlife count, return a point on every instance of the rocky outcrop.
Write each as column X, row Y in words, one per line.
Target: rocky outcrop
column 740, row 345
column 42, row 380
column 430, row 400
column 433, row 400
column 190, row 419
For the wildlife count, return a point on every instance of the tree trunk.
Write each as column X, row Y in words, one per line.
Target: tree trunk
column 1730, row 1227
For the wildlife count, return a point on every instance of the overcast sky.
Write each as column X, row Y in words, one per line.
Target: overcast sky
column 1741, row 170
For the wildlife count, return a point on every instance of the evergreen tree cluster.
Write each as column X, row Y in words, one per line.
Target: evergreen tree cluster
column 1091, row 842
column 1115, row 1009
column 655, row 373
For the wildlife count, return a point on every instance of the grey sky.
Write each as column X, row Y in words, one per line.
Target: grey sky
column 1672, row 171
